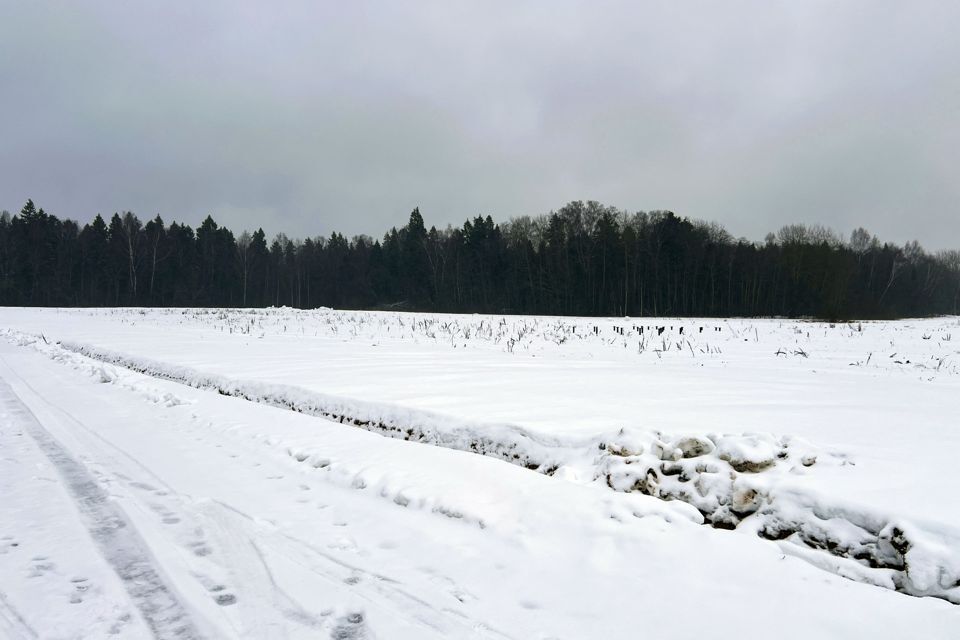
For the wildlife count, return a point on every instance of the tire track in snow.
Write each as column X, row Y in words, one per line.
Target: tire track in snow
column 379, row 590
column 11, row 620
column 242, row 546
column 118, row 542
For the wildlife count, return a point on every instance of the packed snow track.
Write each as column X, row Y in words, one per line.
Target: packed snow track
column 119, row 544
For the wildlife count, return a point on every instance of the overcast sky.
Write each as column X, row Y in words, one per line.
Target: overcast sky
column 309, row 117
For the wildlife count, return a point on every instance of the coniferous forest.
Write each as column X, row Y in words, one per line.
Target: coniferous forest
column 583, row 259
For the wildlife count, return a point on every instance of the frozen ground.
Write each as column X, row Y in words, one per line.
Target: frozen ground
column 155, row 479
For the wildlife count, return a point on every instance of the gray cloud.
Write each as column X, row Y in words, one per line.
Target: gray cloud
column 311, row 117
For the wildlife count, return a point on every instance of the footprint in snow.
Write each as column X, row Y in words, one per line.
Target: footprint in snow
column 166, row 516
column 225, row 599
column 80, row 587
column 121, row 622
column 342, row 543
column 352, row 626
column 40, row 567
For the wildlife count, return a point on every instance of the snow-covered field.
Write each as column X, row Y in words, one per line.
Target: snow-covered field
column 280, row 473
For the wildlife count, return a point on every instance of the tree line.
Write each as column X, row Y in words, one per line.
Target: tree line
column 583, row 259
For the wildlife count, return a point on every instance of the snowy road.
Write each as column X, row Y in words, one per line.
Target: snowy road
column 359, row 536
column 215, row 554
column 117, row 542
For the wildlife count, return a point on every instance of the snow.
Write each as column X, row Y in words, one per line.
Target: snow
column 829, row 450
